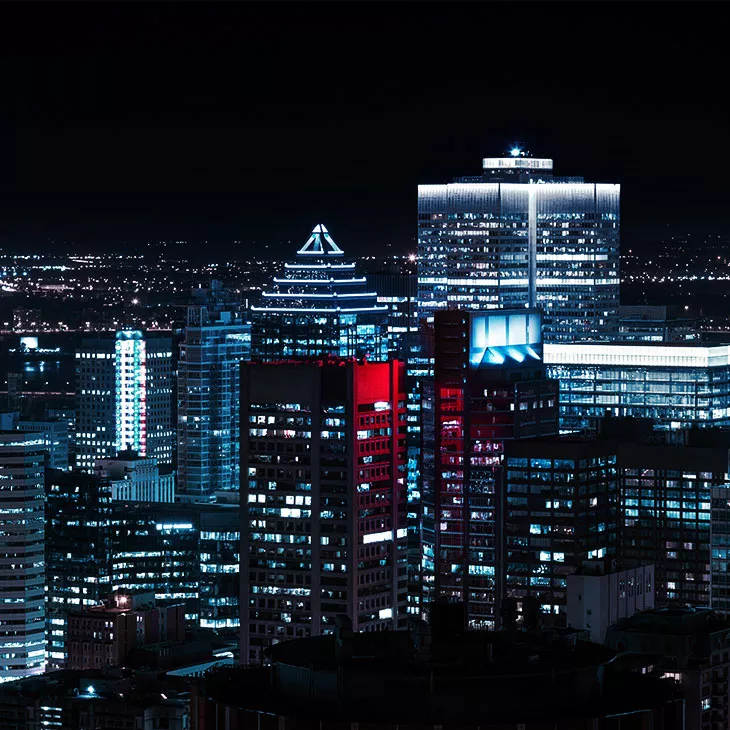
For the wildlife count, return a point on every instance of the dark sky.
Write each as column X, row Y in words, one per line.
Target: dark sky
column 255, row 121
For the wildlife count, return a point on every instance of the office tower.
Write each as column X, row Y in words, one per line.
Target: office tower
column 398, row 290
column 220, row 558
column 215, row 341
column 666, row 514
column 156, row 550
column 319, row 306
column 676, row 385
column 489, row 388
column 720, row 549
column 22, row 568
column 516, row 236
column 601, row 593
column 657, row 323
column 136, row 479
column 323, row 499
column 690, row 646
column 78, row 551
column 124, row 397
column 560, row 509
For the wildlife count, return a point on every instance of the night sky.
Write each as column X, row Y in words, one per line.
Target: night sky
column 256, row 121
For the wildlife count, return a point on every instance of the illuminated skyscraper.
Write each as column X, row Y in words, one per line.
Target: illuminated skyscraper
column 22, row 567
column 216, row 340
column 323, row 499
column 319, row 306
column 516, row 236
column 124, row 397
column 489, row 388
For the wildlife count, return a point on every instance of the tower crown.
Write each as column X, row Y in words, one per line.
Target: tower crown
column 318, row 242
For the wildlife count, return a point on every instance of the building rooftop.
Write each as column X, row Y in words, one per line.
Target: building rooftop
column 675, row 620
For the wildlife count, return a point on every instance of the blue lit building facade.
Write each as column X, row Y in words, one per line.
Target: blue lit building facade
column 124, row 397
column 516, row 236
column 489, row 388
column 216, row 340
column 319, row 306
column 677, row 385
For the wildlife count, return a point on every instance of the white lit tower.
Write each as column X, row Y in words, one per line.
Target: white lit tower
column 515, row 236
column 124, row 397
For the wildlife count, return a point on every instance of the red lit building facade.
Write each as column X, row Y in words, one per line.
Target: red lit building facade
column 323, row 497
column 489, row 387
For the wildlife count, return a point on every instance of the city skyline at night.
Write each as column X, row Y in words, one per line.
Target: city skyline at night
column 364, row 365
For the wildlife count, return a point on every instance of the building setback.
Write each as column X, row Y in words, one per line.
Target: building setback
column 323, row 499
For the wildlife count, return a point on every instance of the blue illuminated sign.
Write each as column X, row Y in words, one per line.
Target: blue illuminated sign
column 501, row 338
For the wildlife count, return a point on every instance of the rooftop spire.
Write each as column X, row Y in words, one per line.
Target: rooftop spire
column 315, row 245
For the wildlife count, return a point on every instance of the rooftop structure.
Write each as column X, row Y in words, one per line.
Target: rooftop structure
column 319, row 306
column 432, row 676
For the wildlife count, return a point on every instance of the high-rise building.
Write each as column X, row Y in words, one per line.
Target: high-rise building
column 220, row 559
column 124, row 397
column 54, row 431
column 216, row 340
column 489, row 388
column 319, row 306
column 560, row 509
column 323, row 499
column 22, row 567
column 398, row 291
column 156, row 550
column 666, row 515
column 516, row 236
column 78, row 551
column 720, row 550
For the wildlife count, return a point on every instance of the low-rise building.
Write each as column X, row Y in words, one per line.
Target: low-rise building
column 600, row 594
column 690, row 646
